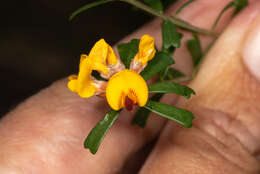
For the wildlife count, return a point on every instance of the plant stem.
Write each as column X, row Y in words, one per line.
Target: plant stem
column 174, row 20
column 183, row 6
column 195, row 71
column 228, row 6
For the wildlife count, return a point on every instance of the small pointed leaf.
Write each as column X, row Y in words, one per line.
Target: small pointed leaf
column 98, row 133
column 171, row 87
column 171, row 37
column 194, row 48
column 142, row 115
column 159, row 63
column 179, row 115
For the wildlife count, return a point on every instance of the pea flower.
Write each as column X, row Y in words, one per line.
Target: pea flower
column 124, row 88
column 121, row 84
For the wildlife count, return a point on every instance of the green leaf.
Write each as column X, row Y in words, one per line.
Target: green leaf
column 127, row 51
column 142, row 115
column 194, row 48
column 155, row 4
column 171, row 37
column 179, row 115
column 170, row 74
column 159, row 63
column 239, row 5
column 171, row 87
column 88, row 6
column 98, row 133
column 184, row 6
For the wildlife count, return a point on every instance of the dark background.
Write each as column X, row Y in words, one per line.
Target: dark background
column 38, row 44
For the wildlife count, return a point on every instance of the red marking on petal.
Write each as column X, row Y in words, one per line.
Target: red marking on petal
column 129, row 104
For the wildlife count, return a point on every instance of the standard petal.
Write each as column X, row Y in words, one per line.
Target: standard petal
column 146, row 49
column 111, row 56
column 99, row 55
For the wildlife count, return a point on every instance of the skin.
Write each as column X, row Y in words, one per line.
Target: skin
column 45, row 133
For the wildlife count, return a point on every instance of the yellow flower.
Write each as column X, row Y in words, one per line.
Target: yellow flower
column 125, row 87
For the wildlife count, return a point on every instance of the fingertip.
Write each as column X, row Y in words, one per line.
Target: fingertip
column 251, row 53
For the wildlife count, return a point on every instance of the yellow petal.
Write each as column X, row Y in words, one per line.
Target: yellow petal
column 87, row 91
column 126, row 83
column 72, row 85
column 101, row 54
column 82, row 58
column 83, row 84
column 146, row 49
column 111, row 56
column 72, row 77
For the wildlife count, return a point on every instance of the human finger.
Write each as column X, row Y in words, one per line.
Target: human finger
column 226, row 132
column 47, row 131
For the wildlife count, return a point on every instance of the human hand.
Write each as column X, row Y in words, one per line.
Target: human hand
column 45, row 134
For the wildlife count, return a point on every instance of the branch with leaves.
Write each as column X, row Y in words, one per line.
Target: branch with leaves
column 123, row 80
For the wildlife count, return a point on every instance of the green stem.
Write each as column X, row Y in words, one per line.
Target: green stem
column 88, row 6
column 145, row 8
column 174, row 20
column 196, row 68
column 183, row 6
column 231, row 4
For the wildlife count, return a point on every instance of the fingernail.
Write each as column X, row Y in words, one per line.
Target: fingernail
column 251, row 52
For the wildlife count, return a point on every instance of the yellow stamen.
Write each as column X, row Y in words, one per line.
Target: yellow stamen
column 126, row 83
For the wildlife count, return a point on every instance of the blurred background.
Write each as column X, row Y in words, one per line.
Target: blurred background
column 38, row 44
